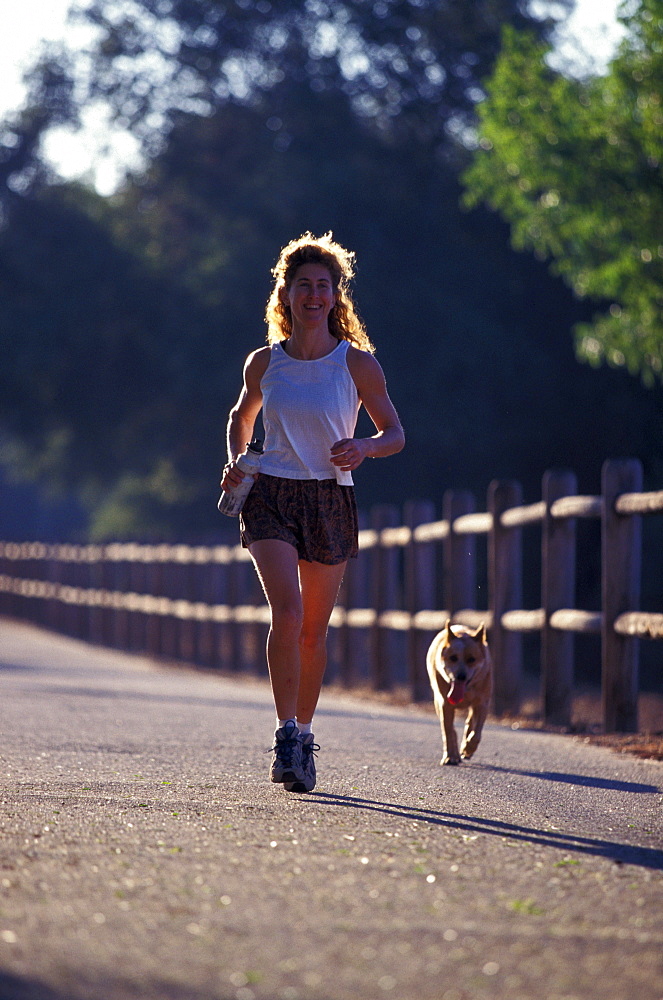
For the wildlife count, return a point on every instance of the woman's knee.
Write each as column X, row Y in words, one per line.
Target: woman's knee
column 286, row 621
column 313, row 635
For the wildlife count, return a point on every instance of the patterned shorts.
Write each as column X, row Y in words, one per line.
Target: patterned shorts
column 317, row 516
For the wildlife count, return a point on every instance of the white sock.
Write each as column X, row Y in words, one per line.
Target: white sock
column 280, row 723
column 304, row 728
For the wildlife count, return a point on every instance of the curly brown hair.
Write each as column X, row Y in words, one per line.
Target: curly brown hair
column 344, row 323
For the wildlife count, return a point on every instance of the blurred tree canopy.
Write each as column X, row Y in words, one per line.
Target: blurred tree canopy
column 576, row 167
column 410, row 69
column 124, row 321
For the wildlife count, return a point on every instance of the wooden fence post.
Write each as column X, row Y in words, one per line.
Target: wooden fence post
column 237, row 597
column 76, row 581
column 70, row 613
column 254, row 634
column 621, row 545
column 154, row 583
column 121, row 570
column 248, row 651
column 168, row 635
column 206, row 633
column 51, row 576
column 17, row 607
column 223, row 630
column 95, row 581
column 137, row 632
column 353, row 642
column 5, row 571
column 558, row 570
column 105, row 584
column 186, row 630
column 505, row 593
column 384, row 596
column 420, row 595
column 459, row 563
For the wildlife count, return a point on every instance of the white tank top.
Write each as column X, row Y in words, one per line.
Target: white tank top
column 306, row 407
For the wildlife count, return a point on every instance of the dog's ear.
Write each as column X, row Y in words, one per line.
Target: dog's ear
column 449, row 629
column 447, row 634
column 480, row 634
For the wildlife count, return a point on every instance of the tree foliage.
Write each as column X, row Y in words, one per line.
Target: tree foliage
column 410, row 68
column 576, row 167
column 125, row 320
column 91, row 339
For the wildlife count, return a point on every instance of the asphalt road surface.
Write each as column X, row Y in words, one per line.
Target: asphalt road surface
column 145, row 855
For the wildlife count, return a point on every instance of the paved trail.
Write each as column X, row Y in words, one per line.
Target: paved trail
column 144, row 855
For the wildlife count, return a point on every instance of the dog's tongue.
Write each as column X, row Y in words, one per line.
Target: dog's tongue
column 457, row 692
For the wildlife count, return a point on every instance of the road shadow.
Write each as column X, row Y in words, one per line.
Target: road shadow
column 586, row 780
column 156, row 698
column 14, row 987
column 621, row 854
column 210, row 701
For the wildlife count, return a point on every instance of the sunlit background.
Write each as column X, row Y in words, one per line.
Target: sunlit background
column 101, row 152
column 499, row 178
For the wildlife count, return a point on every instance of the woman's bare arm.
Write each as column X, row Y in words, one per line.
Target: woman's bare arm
column 369, row 378
column 242, row 417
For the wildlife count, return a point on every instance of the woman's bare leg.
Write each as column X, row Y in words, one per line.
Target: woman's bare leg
column 276, row 563
column 319, row 590
column 301, row 597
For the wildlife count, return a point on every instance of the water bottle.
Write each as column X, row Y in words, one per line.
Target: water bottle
column 232, row 501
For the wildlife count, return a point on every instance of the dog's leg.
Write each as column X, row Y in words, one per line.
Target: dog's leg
column 449, row 738
column 473, row 727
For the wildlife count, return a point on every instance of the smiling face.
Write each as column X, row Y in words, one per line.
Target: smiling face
column 310, row 296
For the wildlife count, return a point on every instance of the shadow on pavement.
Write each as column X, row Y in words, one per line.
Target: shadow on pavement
column 212, row 701
column 14, row 987
column 589, row 781
column 622, row 854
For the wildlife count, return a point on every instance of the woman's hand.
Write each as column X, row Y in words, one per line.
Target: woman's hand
column 232, row 476
column 349, row 453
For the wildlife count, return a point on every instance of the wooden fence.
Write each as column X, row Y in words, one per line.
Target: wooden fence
column 165, row 599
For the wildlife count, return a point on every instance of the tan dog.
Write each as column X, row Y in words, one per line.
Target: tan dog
column 461, row 675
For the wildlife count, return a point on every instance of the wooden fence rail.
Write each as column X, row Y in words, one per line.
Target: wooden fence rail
column 164, row 599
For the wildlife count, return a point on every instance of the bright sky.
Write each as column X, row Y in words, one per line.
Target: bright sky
column 101, row 152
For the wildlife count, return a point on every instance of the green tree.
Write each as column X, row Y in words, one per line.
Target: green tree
column 124, row 321
column 409, row 68
column 91, row 337
column 576, row 168
column 260, row 120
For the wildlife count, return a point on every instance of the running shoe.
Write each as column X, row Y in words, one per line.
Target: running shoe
column 287, row 762
column 307, row 784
